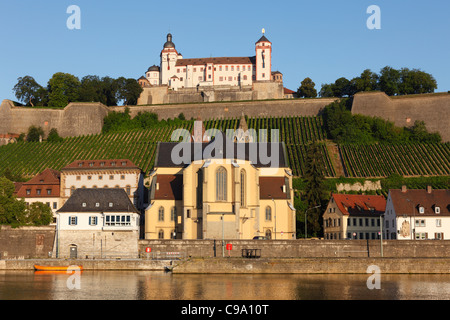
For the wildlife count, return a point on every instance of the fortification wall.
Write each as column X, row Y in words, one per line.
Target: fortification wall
column 434, row 109
column 74, row 120
column 263, row 108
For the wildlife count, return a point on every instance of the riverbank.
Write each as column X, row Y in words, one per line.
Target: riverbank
column 251, row 266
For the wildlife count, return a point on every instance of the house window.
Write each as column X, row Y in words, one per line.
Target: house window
column 72, row 189
column 420, row 223
column 243, row 189
column 161, row 214
column 111, row 177
column 437, row 210
column 110, row 204
column 73, row 221
column 93, row 221
column 421, row 210
column 122, row 177
column 28, row 191
column 268, row 213
column 97, row 204
column 38, row 191
column 195, row 69
column 117, row 220
column 89, row 177
column 84, row 205
column 263, row 75
column 220, row 68
column 221, row 184
column 237, row 68
column 438, row 223
column 161, row 234
column 80, row 164
column 209, row 76
column 78, row 178
column 232, row 68
column 102, row 164
column 230, row 78
column 113, row 164
column 55, row 205
column 100, row 177
column 128, row 190
column 220, row 78
column 245, row 77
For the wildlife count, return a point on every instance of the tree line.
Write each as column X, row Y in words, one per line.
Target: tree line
column 64, row 88
column 391, row 81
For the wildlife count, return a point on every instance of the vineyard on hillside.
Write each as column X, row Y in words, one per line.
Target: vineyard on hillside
column 139, row 145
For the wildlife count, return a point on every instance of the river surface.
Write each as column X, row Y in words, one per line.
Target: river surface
column 151, row 285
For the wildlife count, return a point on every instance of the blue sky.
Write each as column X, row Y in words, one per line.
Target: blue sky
column 322, row 39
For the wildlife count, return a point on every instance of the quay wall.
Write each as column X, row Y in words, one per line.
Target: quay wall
column 302, row 248
column 253, row 266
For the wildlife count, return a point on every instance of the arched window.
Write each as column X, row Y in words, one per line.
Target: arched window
column 173, row 214
column 268, row 234
column 161, row 214
column 221, row 184
column 268, row 213
column 161, row 234
column 128, row 190
column 243, row 189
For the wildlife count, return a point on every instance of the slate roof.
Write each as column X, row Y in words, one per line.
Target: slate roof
column 421, row 198
column 263, row 39
column 252, row 151
column 98, row 200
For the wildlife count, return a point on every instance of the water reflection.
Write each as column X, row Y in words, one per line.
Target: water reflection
column 146, row 285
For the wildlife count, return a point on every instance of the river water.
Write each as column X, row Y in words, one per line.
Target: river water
column 151, row 285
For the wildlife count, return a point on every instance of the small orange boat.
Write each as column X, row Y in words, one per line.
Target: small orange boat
column 57, row 268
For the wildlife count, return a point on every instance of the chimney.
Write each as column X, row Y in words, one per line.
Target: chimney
column 404, row 188
column 429, row 189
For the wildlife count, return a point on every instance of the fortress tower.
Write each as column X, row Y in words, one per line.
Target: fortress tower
column 263, row 59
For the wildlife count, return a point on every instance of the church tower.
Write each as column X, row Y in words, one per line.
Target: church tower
column 169, row 56
column 263, row 49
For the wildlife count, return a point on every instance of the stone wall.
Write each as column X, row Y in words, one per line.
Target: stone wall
column 26, row 242
column 74, row 120
column 303, row 248
column 434, row 109
column 220, row 110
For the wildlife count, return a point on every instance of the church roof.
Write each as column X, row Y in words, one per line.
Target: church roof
column 218, row 60
column 252, row 151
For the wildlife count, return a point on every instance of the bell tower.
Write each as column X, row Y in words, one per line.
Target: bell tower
column 263, row 48
column 169, row 56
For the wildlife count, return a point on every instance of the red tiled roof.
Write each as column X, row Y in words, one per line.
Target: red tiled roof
column 272, row 188
column 421, row 198
column 101, row 164
column 220, row 60
column 169, row 187
column 357, row 204
column 48, row 182
column 288, row 91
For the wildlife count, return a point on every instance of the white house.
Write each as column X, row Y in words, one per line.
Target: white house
column 111, row 173
column 97, row 223
column 418, row 214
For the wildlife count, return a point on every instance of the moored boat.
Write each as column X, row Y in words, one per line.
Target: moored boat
column 58, row 268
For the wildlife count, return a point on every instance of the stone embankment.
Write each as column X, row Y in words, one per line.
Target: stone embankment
column 256, row 266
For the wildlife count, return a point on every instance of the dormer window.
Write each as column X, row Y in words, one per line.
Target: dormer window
column 84, row 204
column 97, row 204
column 437, row 210
column 421, row 210
column 110, row 204
column 80, row 164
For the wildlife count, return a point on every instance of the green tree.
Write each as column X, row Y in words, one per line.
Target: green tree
column 34, row 134
column 341, row 87
column 389, row 81
column 367, row 81
column 29, row 92
column 416, row 81
column 39, row 214
column 53, row 136
column 91, row 89
column 63, row 88
column 128, row 90
column 315, row 190
column 307, row 89
column 326, row 91
column 12, row 211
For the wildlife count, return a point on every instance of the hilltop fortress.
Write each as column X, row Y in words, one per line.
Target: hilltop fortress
column 87, row 118
column 179, row 80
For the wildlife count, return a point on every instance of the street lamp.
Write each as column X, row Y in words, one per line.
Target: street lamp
column 306, row 220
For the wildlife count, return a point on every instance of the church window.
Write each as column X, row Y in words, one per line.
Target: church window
column 173, row 214
column 161, row 234
column 268, row 213
column 161, row 214
column 243, row 189
column 268, row 234
column 221, row 184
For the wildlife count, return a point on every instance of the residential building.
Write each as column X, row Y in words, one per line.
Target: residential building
column 353, row 216
column 44, row 187
column 220, row 189
column 98, row 223
column 418, row 214
column 111, row 173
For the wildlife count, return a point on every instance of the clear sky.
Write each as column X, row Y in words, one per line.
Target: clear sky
column 321, row 39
